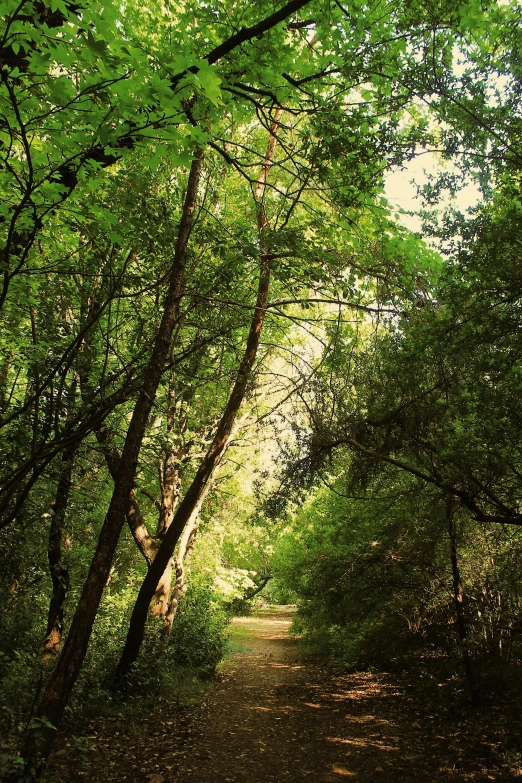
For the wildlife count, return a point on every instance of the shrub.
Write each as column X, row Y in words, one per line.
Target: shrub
column 199, row 632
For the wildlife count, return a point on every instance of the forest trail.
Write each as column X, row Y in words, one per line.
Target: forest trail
column 270, row 716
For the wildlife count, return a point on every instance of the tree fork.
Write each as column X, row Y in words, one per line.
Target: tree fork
column 39, row 741
column 204, row 473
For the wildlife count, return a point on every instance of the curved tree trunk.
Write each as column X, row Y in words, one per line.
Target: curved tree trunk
column 193, row 496
column 56, row 695
column 185, row 548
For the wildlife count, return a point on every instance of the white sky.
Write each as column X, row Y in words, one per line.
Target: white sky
column 401, row 190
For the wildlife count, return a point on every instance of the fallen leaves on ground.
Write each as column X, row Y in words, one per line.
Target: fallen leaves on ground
column 270, row 717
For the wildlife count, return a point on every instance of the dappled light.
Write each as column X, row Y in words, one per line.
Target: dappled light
column 260, row 429
column 367, row 742
column 258, row 723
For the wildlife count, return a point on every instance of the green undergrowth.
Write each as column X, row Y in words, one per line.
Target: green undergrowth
column 161, row 680
column 238, row 639
column 289, row 611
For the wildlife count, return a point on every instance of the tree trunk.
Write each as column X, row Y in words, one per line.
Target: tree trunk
column 185, row 548
column 251, row 592
column 184, row 554
column 147, row 544
column 170, row 488
column 4, row 374
column 458, row 597
column 160, row 600
column 195, row 491
column 58, row 570
column 55, row 697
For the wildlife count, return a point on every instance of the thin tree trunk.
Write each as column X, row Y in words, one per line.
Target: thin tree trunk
column 170, row 480
column 458, row 597
column 56, row 695
column 147, row 544
column 144, row 541
column 4, row 374
column 58, row 570
column 36, row 378
column 253, row 591
column 185, row 548
column 210, row 461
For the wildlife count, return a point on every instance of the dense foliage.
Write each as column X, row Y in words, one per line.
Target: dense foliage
column 226, row 366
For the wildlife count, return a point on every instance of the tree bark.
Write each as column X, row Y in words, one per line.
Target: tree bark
column 56, row 695
column 58, row 570
column 458, row 598
column 195, row 491
column 185, row 548
column 184, row 553
column 170, row 480
column 147, row 544
column 144, row 541
column 253, row 591
column 4, row 374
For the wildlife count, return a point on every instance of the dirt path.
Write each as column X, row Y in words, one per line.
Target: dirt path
column 269, row 717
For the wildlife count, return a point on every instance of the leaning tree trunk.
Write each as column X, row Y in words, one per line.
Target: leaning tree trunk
column 170, row 481
column 55, row 697
column 196, row 489
column 184, row 554
column 57, row 567
column 185, row 547
column 136, row 522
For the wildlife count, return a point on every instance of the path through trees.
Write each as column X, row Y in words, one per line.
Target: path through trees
column 272, row 716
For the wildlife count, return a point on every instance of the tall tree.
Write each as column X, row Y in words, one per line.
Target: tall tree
column 347, row 76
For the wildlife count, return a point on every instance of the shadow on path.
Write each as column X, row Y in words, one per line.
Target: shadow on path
column 270, row 716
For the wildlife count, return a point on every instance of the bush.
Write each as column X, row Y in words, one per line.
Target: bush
column 199, row 632
column 239, row 607
column 374, row 583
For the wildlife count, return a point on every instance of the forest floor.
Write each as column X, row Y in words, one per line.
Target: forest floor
column 271, row 716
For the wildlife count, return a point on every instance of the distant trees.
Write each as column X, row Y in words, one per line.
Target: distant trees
column 429, row 423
